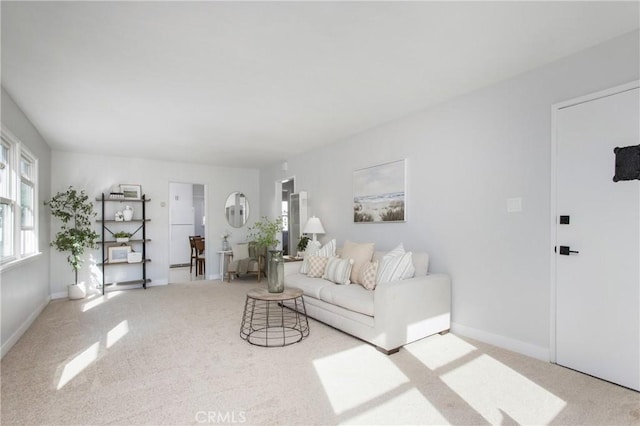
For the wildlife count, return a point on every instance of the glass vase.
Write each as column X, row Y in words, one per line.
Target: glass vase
column 275, row 272
column 225, row 245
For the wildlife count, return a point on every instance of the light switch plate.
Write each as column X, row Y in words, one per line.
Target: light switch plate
column 514, row 205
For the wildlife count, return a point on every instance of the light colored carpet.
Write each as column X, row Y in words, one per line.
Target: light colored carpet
column 173, row 355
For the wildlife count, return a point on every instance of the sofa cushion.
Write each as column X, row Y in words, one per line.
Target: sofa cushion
column 420, row 261
column 361, row 253
column 310, row 286
column 352, row 297
column 338, row 270
column 240, row 251
column 317, row 265
column 327, row 250
column 395, row 266
column 368, row 275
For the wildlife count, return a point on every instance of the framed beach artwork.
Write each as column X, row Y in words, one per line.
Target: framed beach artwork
column 379, row 193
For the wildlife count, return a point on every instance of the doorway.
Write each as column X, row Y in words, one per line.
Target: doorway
column 596, row 231
column 187, row 203
column 287, row 190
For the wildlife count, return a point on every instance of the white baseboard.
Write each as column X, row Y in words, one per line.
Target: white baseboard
column 156, row 283
column 60, row 295
column 23, row 328
column 504, row 342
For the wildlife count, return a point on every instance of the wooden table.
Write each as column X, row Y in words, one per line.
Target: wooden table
column 274, row 319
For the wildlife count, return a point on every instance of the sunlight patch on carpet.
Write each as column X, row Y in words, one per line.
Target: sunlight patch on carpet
column 409, row 408
column 100, row 300
column 117, row 333
column 438, row 351
column 79, row 363
column 502, row 395
column 353, row 377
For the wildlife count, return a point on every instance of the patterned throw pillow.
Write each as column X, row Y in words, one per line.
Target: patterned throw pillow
column 395, row 265
column 338, row 270
column 368, row 275
column 317, row 265
column 328, row 250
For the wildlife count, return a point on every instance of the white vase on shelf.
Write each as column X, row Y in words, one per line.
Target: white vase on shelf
column 127, row 213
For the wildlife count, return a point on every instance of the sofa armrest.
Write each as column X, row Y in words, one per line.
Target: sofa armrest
column 407, row 309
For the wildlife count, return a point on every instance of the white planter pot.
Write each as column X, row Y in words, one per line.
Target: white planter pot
column 78, row 291
column 122, row 240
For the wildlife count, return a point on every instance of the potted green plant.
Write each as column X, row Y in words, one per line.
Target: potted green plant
column 264, row 234
column 76, row 233
column 122, row 236
column 302, row 244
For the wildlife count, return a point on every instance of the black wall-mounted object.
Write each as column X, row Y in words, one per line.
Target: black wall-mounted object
column 564, row 220
column 566, row 250
column 627, row 163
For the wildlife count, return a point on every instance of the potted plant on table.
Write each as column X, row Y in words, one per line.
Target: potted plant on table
column 264, row 234
column 76, row 234
column 302, row 245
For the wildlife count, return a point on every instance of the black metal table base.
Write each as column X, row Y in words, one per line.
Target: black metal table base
column 271, row 323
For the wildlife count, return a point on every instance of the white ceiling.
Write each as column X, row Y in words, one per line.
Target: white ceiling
column 252, row 83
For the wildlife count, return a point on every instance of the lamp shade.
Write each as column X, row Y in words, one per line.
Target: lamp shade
column 313, row 226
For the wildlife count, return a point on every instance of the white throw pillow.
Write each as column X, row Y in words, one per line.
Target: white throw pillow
column 395, row 265
column 328, row 250
column 338, row 270
column 240, row 251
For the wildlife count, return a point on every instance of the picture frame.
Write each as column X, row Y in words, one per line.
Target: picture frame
column 379, row 193
column 119, row 254
column 131, row 192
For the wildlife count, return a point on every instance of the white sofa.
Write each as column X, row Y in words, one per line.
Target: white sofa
column 392, row 315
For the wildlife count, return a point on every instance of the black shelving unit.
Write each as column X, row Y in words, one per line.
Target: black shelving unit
column 108, row 240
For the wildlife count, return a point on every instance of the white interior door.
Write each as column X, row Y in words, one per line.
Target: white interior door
column 598, row 287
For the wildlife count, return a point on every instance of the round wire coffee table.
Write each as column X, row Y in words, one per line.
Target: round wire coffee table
column 274, row 319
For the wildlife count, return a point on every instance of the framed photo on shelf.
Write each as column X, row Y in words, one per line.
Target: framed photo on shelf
column 119, row 254
column 131, row 192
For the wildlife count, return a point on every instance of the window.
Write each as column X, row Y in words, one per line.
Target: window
column 18, row 200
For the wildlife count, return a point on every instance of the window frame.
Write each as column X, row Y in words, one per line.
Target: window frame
column 17, row 151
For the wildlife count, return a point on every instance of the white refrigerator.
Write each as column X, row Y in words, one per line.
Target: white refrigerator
column 181, row 218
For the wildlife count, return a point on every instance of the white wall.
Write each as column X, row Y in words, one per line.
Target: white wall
column 465, row 158
column 96, row 174
column 24, row 289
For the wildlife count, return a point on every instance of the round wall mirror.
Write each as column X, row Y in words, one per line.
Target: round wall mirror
column 236, row 209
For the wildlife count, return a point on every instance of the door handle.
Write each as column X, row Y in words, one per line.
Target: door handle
column 566, row 251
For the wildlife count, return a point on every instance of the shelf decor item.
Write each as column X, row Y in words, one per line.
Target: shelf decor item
column 119, row 254
column 76, row 234
column 131, row 192
column 127, row 213
column 122, row 237
column 134, row 257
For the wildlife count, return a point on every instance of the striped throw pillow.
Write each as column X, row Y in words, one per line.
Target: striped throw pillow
column 317, row 265
column 368, row 275
column 338, row 270
column 395, row 266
